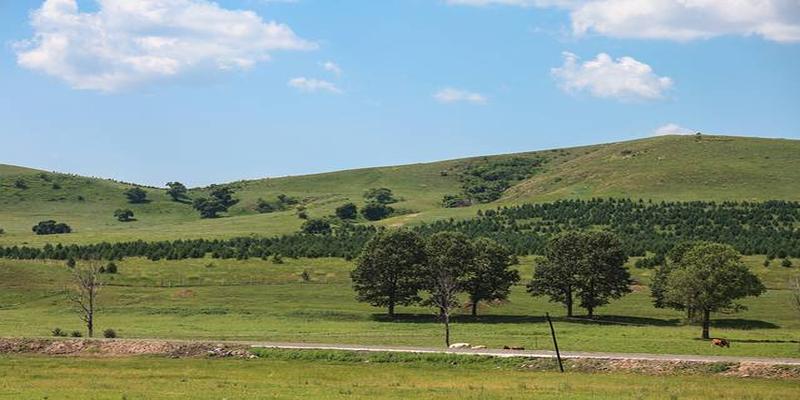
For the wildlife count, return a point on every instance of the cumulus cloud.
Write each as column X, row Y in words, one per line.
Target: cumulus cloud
column 331, row 66
column 682, row 20
column 453, row 95
column 672, row 129
column 126, row 43
column 624, row 78
column 310, row 85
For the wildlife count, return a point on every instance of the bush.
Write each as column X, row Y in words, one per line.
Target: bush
column 306, row 276
column 2, row 231
column 380, row 195
column 277, row 259
column 786, row 263
column 58, row 332
column 20, row 184
column 71, row 263
column 265, row 207
column 347, row 211
column 76, row 334
column 136, row 195
column 376, row 211
column 109, row 334
column 111, row 268
column 317, row 227
column 123, row 215
column 51, row 227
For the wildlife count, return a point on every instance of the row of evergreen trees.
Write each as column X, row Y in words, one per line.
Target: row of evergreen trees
column 769, row 228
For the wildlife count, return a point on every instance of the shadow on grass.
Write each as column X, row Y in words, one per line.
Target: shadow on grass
column 745, row 324
column 528, row 319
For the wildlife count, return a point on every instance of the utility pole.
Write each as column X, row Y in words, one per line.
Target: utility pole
column 555, row 342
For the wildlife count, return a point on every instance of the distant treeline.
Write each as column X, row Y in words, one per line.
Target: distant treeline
column 771, row 228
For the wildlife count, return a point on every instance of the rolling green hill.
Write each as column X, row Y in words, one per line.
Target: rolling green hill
column 659, row 168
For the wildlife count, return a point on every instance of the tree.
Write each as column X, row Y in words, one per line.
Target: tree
column 224, row 195
column 264, row 207
column 208, row 208
column 388, row 271
column 376, row 211
column 380, row 195
column 136, row 195
column 123, row 214
column 557, row 275
column 20, row 184
column 658, row 285
column 347, row 211
column 177, row 191
column 710, row 278
column 450, row 258
column 316, row 227
column 602, row 275
column 51, row 227
column 491, row 277
column 87, row 285
column 589, row 266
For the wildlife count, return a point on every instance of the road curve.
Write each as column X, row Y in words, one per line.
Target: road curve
column 530, row 353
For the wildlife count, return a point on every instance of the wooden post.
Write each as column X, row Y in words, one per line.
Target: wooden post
column 555, row 342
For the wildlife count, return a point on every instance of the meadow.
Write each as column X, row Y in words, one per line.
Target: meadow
column 259, row 300
column 285, row 375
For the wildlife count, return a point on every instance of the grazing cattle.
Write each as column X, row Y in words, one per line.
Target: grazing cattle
column 459, row 346
column 479, row 347
column 721, row 343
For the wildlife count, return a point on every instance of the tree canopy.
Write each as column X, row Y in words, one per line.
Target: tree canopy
column 136, row 195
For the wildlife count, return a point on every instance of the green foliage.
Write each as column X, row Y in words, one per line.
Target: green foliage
column 76, row 334
column 786, row 263
column 110, row 334
column 136, row 195
column 491, row 276
column 177, row 191
column 58, row 332
column 347, row 211
column 710, row 278
column 316, row 226
column 111, row 268
column 265, row 207
column 208, row 208
column 123, row 214
column 20, row 183
column 223, row 195
column 486, row 180
column 380, row 195
column 51, row 227
column 375, row 211
column 589, row 266
column 388, row 271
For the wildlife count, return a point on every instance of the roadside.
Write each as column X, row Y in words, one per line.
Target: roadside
column 649, row 364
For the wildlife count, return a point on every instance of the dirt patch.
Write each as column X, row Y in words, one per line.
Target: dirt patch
column 651, row 367
column 120, row 348
column 184, row 294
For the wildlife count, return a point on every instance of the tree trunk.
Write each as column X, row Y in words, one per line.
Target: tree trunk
column 590, row 311
column 569, row 305
column 447, row 329
column 474, row 308
column 706, row 323
column 90, row 325
column 391, row 310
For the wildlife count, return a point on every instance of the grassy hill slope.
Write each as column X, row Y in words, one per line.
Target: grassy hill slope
column 668, row 168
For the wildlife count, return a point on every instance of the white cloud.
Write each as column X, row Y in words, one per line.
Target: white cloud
column 331, row 66
column 672, row 129
column 452, row 95
column 310, row 85
column 125, row 43
column 624, row 78
column 682, row 20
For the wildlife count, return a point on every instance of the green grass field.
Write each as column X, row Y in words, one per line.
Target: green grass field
column 281, row 377
column 258, row 300
column 660, row 168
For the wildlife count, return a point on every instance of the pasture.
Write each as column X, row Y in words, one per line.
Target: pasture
column 258, row 300
column 289, row 375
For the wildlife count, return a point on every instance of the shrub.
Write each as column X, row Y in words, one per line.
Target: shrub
column 347, row 211
column 786, row 263
column 123, row 215
column 306, row 276
column 76, row 334
column 264, row 207
column 51, row 227
column 376, row 211
column 109, row 334
column 136, row 195
column 2, row 231
column 380, row 195
column 111, row 268
column 71, row 263
column 277, row 259
column 317, row 227
column 20, row 184
column 58, row 332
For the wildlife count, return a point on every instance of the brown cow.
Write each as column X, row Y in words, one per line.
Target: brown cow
column 721, row 343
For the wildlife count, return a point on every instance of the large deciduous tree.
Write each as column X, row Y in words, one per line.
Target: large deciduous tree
column 136, row 195
column 220, row 200
column 589, row 266
column 450, row 258
column 491, row 276
column 710, row 278
column 177, row 191
column 388, row 271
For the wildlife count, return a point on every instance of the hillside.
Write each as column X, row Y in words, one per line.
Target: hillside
column 660, row 168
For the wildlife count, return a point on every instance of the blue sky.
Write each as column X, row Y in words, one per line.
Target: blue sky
column 210, row 92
